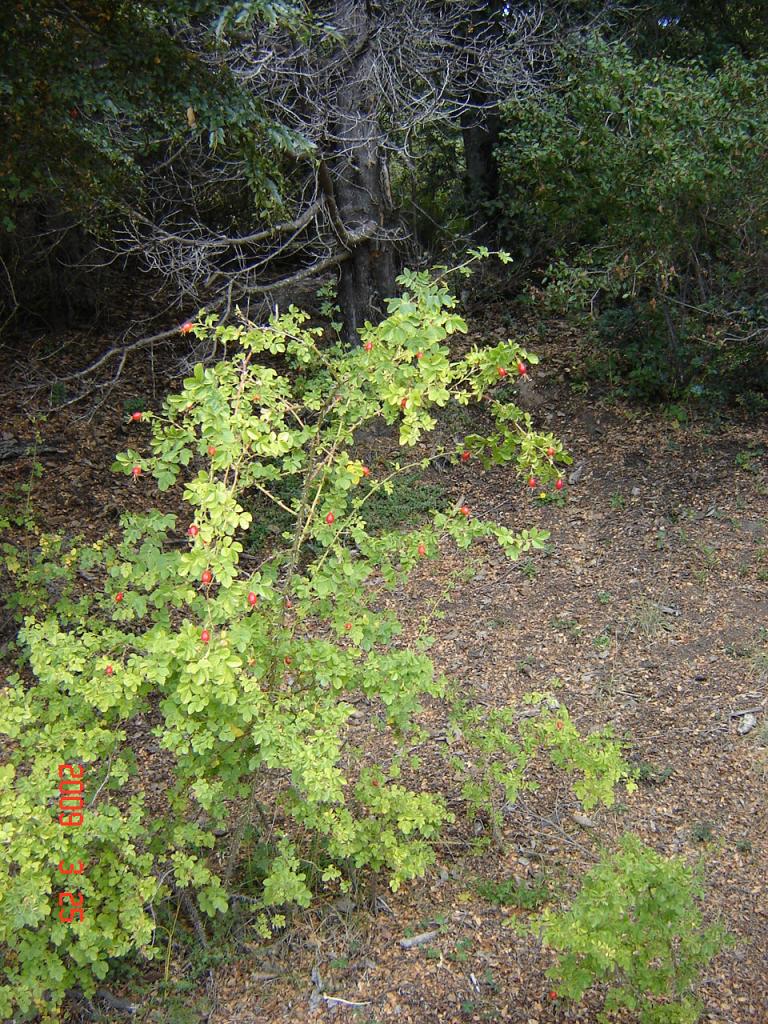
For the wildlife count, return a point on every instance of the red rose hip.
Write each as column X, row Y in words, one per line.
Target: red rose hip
column 464, row 510
column 136, row 416
column 119, row 596
column 193, row 530
column 559, row 485
column 330, row 519
column 205, row 636
column 206, row 578
column 253, row 599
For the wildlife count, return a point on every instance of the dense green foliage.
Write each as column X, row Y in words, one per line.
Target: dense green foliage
column 704, row 30
column 635, row 925
column 98, row 99
column 643, row 183
column 90, row 92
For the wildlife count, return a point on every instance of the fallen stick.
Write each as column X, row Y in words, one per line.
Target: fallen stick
column 418, row 940
column 345, row 1002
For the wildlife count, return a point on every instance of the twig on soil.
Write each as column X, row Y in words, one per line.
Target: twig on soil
column 418, row 940
column 345, row 1002
column 557, row 828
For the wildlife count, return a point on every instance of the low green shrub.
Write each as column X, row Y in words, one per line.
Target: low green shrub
column 635, row 927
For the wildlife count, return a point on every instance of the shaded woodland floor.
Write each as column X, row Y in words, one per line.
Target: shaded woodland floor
column 650, row 613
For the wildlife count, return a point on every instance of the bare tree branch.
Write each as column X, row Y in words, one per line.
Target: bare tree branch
column 356, row 90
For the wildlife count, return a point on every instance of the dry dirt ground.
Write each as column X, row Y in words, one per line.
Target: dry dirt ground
column 648, row 613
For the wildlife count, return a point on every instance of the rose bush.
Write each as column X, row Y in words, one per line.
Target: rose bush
column 238, row 676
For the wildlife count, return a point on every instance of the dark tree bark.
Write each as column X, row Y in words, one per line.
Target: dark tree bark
column 480, row 135
column 480, row 125
column 367, row 277
column 360, row 179
column 357, row 92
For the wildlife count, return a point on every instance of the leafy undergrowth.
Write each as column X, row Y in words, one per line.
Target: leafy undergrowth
column 645, row 613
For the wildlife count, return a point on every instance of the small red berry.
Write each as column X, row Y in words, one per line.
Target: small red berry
column 532, row 482
column 205, row 636
column 287, row 661
column 422, row 550
column 136, row 416
column 502, row 372
column 522, row 369
column 211, row 450
column 465, row 456
column 464, row 510
column 288, row 603
column 550, row 451
column 559, row 485
column 109, row 670
column 119, row 596
column 419, row 355
column 136, row 471
column 366, row 471
column 193, row 530
column 207, row 577
column 404, row 402
column 368, row 346
column 347, row 626
column 186, row 327
column 558, row 725
column 253, row 599
column 553, row 994
column 330, row 519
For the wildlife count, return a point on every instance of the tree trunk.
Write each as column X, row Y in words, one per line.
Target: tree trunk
column 480, row 125
column 361, row 181
column 480, row 134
